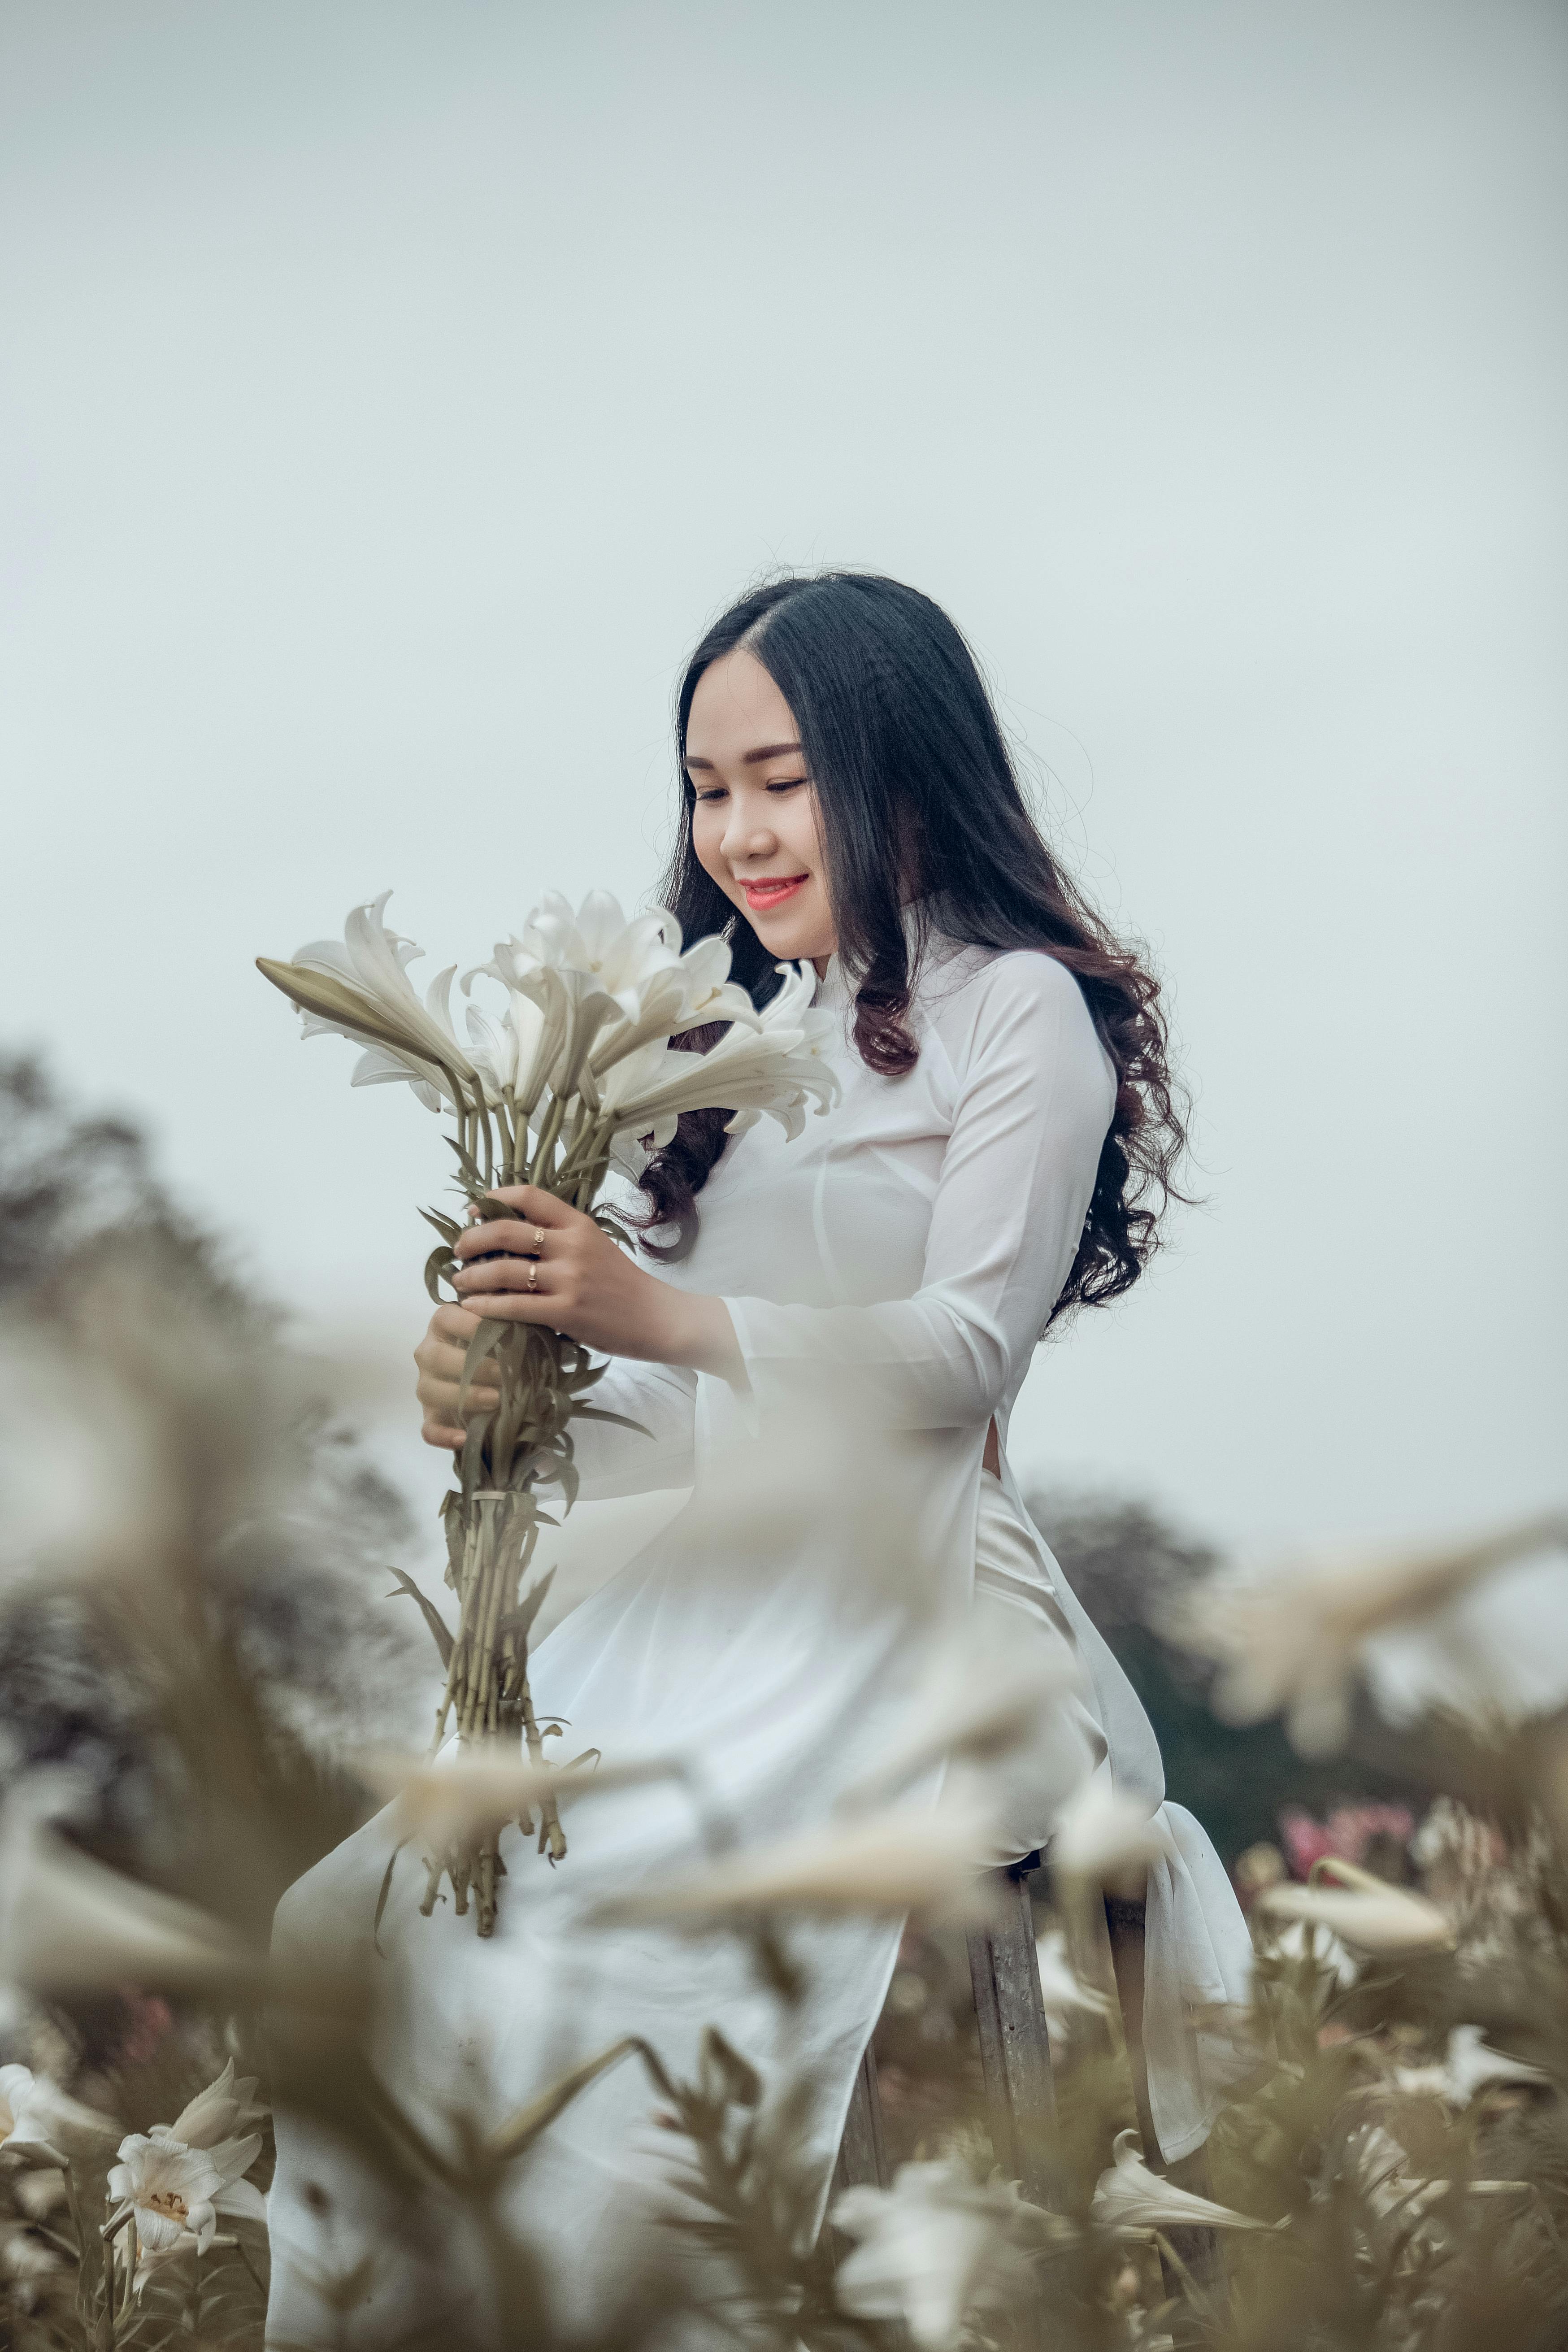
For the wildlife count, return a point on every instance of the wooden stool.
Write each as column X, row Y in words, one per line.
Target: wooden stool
column 1014, row 2042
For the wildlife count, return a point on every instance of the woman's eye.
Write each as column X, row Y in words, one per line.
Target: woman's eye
column 785, row 783
column 716, row 794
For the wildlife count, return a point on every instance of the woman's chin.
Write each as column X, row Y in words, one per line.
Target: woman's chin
column 791, row 941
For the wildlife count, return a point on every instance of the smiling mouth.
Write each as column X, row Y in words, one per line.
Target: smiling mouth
column 773, row 889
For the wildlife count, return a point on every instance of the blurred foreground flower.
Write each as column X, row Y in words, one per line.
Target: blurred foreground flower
column 1106, row 1838
column 1130, row 2200
column 1365, row 1912
column 1291, row 1644
column 70, row 1924
column 980, row 1698
column 37, row 2118
column 935, row 2247
column 578, row 1063
column 928, row 1863
column 463, row 1799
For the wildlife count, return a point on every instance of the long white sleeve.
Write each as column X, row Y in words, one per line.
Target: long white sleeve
column 1030, row 1091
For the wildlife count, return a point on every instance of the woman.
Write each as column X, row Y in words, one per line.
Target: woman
column 998, row 1156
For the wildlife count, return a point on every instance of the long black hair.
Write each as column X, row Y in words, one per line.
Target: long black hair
column 917, row 798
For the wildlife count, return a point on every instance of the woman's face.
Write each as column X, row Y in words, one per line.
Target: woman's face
column 753, row 822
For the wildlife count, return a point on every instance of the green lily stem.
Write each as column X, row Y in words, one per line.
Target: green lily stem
column 549, row 1134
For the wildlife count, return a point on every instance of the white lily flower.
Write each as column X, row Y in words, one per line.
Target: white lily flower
column 1288, row 1644
column 36, row 2115
column 358, row 988
column 1303, row 1939
column 773, row 1070
column 68, row 1924
column 933, row 2248
column 174, row 2191
column 215, row 2114
column 599, row 941
column 926, row 1862
column 1063, row 1992
column 1468, row 2066
column 1365, row 1911
column 1130, row 2199
column 516, row 1055
column 590, row 970
column 1107, row 1839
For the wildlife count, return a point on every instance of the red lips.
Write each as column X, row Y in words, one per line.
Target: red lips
column 771, row 889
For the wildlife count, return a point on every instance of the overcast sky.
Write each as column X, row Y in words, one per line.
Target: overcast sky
column 391, row 391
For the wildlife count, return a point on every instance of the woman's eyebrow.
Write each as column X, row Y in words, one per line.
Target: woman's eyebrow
column 749, row 759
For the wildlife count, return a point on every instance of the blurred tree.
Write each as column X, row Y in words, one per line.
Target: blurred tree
column 1127, row 1565
column 296, row 1603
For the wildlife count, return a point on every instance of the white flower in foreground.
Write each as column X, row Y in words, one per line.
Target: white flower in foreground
column 463, row 1796
column 596, row 939
column 217, row 2112
column 1468, row 2066
column 927, row 1863
column 37, row 2115
column 359, row 989
column 934, row 2247
column 1301, row 1940
column 611, row 986
column 174, row 2191
column 1107, row 1839
column 774, row 1068
column 1290, row 1644
column 1128, row 2198
column 1365, row 1912
column 68, row 1924
column 1066, row 1997
column 980, row 1698
column 516, row 1053
column 1378, row 2163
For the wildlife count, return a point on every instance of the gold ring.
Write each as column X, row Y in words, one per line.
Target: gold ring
column 538, row 1241
column 533, row 1273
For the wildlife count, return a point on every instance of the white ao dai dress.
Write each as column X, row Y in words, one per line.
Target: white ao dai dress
column 889, row 1271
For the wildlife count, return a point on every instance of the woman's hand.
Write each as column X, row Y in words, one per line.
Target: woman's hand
column 556, row 1268
column 439, row 1356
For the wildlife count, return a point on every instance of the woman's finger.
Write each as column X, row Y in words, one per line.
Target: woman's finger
column 527, row 1274
column 534, row 1206
column 455, row 1325
column 500, row 1234
column 521, row 1307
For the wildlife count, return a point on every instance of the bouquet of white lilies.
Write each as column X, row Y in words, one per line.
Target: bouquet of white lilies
column 576, row 1066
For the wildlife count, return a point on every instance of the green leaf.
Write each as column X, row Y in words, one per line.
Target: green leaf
column 448, row 1227
column 521, row 1618
column 517, row 2136
column 435, row 1266
column 469, row 1166
column 428, row 1611
column 725, row 2077
column 484, row 1342
column 597, row 1413
column 386, row 1890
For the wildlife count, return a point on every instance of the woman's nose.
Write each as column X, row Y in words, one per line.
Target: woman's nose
column 748, row 834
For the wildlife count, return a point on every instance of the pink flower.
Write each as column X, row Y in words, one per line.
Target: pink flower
column 1345, row 1835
